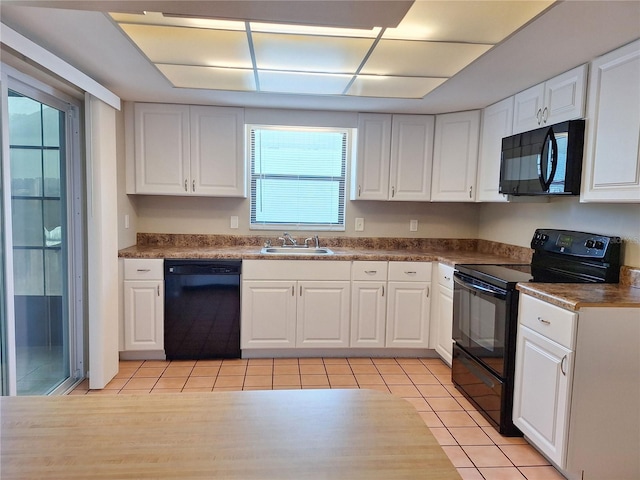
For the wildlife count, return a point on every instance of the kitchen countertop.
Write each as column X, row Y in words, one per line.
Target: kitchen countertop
column 449, row 252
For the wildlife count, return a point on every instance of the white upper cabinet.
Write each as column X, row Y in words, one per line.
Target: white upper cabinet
column 394, row 157
column 411, row 157
column 556, row 100
column 497, row 123
column 455, row 157
column 371, row 167
column 611, row 171
column 188, row 150
column 217, row 141
column 162, row 148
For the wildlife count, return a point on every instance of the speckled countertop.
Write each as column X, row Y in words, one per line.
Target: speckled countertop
column 447, row 251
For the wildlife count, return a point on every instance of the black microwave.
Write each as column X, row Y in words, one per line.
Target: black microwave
column 545, row 161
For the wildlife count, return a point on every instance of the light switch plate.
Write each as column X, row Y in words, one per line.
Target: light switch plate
column 413, row 225
column 359, row 225
column 234, row 221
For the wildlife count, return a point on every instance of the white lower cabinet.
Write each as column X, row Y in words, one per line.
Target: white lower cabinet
column 408, row 304
column 576, row 392
column 289, row 303
column 442, row 311
column 368, row 304
column 143, row 304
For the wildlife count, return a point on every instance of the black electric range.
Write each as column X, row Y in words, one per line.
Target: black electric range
column 485, row 312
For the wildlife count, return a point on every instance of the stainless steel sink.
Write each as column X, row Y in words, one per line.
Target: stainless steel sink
column 296, row 250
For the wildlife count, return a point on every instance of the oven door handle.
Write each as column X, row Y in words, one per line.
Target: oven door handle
column 478, row 288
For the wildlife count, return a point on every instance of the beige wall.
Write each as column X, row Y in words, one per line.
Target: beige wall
column 515, row 223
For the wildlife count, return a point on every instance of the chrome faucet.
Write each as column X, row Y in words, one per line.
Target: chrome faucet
column 315, row 238
column 285, row 236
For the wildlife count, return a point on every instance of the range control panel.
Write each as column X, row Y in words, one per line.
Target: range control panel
column 578, row 244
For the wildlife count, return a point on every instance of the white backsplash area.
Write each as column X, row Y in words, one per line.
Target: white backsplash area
column 514, row 223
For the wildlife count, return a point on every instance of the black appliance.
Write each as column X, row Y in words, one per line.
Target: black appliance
column 202, row 309
column 485, row 312
column 545, row 161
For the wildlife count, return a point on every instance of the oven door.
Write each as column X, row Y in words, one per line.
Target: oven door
column 480, row 317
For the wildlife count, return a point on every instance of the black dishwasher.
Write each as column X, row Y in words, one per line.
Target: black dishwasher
column 202, row 309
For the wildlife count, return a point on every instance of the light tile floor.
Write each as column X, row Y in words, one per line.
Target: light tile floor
column 474, row 447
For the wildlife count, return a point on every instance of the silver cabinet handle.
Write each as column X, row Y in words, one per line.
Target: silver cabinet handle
column 562, row 365
column 370, row 272
column 542, row 320
column 158, row 290
column 142, row 270
column 359, row 190
column 185, row 185
column 300, row 290
column 193, row 186
column 545, row 114
column 539, row 116
column 293, row 290
column 471, row 191
column 428, row 291
column 410, row 273
column 383, row 290
column 393, row 191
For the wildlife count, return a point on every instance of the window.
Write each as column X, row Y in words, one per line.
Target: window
column 298, row 177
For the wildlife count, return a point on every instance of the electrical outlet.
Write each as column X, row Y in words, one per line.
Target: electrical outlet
column 413, row 225
column 234, row 221
column 359, row 225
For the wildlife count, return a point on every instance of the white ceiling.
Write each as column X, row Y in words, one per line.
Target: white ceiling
column 567, row 34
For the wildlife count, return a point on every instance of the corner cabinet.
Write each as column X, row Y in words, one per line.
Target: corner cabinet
column 394, row 157
column 455, row 157
column 143, row 304
column 497, row 123
column 576, row 392
column 611, row 170
column 188, row 150
column 556, row 100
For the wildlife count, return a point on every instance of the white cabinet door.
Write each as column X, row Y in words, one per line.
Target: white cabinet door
column 564, row 96
column 143, row 315
column 497, row 123
column 455, row 157
column 371, row 168
column 444, row 319
column 556, row 100
column 162, row 148
column 323, row 314
column 411, row 157
column 368, row 314
column 217, row 152
column 408, row 306
column 527, row 109
column 612, row 151
column 542, row 392
column 268, row 314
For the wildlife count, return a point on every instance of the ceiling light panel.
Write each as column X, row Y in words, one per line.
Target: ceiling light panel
column 314, row 30
column 212, row 78
column 303, row 83
column 309, row 53
column 393, row 87
column 465, row 21
column 421, row 59
column 191, row 46
column 157, row 18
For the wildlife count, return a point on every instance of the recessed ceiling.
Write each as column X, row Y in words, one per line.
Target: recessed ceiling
column 433, row 42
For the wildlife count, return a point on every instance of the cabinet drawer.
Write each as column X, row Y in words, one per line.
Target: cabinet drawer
column 369, row 271
column 410, row 271
column 445, row 275
column 143, row 269
column 553, row 322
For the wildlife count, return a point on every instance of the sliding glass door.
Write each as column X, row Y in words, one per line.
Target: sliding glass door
column 41, row 222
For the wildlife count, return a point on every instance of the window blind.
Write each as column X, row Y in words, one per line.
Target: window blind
column 298, row 177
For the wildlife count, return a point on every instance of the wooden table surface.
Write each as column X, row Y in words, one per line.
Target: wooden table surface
column 274, row 435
